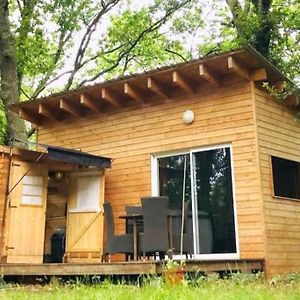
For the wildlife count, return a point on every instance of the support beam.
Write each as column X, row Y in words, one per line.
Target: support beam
column 239, row 69
column 292, row 100
column 48, row 113
column 109, row 97
column 67, row 107
column 182, row 82
column 155, row 87
column 206, row 74
column 259, row 74
column 86, row 101
column 30, row 116
column 132, row 92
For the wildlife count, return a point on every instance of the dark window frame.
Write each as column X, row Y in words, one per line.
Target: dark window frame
column 285, row 178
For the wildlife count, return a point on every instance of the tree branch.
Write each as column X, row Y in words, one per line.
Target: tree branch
column 133, row 43
column 176, row 53
column 87, row 38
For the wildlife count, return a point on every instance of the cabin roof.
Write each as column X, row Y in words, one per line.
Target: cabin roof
column 60, row 154
column 153, row 86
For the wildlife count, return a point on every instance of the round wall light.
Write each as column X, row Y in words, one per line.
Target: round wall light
column 188, row 117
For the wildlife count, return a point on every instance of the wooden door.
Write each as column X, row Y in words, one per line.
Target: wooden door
column 85, row 219
column 27, row 207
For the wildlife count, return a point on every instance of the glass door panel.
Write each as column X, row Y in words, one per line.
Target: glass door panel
column 214, row 224
column 174, row 180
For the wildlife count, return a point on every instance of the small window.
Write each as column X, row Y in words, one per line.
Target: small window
column 87, row 193
column 32, row 193
column 286, row 178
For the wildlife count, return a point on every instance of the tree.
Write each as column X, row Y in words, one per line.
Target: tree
column 87, row 41
column 272, row 27
column 33, row 52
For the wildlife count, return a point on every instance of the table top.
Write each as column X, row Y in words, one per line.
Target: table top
column 131, row 216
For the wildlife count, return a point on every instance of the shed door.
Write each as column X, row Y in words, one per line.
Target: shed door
column 27, row 207
column 85, row 219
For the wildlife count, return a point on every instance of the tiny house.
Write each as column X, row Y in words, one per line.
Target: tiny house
column 209, row 121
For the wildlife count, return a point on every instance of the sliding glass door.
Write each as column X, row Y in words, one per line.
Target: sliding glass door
column 201, row 181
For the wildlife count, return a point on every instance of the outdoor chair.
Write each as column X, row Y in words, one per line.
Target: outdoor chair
column 155, row 237
column 115, row 243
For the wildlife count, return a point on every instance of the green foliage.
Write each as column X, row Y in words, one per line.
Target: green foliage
column 243, row 24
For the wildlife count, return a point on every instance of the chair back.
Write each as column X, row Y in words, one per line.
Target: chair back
column 109, row 218
column 155, row 211
column 133, row 210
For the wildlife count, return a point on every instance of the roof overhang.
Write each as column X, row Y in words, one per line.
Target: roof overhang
column 59, row 154
column 152, row 87
column 78, row 157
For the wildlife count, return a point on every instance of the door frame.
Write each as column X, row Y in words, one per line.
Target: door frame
column 155, row 192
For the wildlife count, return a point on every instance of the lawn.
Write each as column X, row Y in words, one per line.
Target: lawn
column 238, row 287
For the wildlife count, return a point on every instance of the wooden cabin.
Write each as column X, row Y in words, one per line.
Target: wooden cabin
column 210, row 120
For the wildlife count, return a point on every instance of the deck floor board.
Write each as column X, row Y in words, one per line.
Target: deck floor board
column 125, row 268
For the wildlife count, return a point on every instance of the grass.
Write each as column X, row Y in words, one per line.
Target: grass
column 239, row 286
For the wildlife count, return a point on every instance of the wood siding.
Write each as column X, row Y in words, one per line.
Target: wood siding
column 278, row 135
column 4, row 169
column 131, row 135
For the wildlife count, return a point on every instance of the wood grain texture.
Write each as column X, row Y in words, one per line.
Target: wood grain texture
column 4, row 169
column 26, row 226
column 84, row 229
column 278, row 135
column 130, row 135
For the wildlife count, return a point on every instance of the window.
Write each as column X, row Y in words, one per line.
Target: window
column 87, row 193
column 32, row 193
column 286, row 178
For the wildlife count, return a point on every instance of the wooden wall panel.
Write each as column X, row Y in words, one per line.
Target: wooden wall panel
column 131, row 135
column 4, row 169
column 278, row 135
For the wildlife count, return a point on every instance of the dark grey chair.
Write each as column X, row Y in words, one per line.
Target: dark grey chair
column 129, row 223
column 155, row 237
column 115, row 243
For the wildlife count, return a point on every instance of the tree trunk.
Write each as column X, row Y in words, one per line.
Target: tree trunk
column 9, row 91
column 263, row 35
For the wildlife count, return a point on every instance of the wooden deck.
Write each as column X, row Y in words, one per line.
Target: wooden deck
column 125, row 268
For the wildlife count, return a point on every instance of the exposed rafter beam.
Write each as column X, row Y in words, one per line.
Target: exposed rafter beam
column 30, row 116
column 155, row 87
column 182, row 82
column 206, row 74
column 259, row 74
column 292, row 100
column 242, row 71
column 47, row 112
column 67, row 107
column 86, row 101
column 238, row 68
column 132, row 92
column 109, row 97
